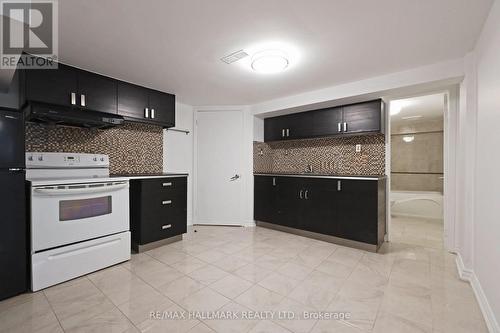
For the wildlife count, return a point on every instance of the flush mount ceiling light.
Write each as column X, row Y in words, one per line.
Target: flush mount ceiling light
column 408, row 138
column 270, row 61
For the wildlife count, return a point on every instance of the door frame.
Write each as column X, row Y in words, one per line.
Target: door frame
column 246, row 208
column 450, row 142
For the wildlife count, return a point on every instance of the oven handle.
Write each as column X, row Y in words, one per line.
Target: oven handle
column 84, row 190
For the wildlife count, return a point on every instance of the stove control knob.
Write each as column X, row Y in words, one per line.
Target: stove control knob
column 30, row 158
column 102, row 159
column 95, row 159
column 40, row 158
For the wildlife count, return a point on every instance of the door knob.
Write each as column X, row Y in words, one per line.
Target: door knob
column 233, row 178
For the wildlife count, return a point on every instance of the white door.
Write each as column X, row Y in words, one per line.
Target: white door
column 219, row 155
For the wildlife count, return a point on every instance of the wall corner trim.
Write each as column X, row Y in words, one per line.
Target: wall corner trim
column 468, row 275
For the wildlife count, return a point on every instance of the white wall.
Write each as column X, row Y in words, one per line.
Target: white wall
column 178, row 149
column 486, row 231
column 427, row 78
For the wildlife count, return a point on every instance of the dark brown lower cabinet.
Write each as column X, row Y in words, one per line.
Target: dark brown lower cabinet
column 158, row 209
column 352, row 209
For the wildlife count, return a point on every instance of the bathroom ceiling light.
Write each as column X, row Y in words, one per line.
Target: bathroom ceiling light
column 408, row 138
column 269, row 61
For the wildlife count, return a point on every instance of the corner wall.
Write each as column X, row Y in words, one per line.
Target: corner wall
column 486, row 222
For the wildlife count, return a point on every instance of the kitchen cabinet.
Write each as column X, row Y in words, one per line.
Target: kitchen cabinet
column 355, row 119
column 132, row 101
column 75, row 88
column 363, row 117
column 97, row 92
column 351, row 209
column 265, row 196
column 146, row 105
column 158, row 209
column 52, row 86
column 289, row 127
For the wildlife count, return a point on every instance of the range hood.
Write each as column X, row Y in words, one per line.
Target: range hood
column 51, row 115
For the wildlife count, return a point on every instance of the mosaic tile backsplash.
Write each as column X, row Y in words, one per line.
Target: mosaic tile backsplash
column 132, row 147
column 326, row 156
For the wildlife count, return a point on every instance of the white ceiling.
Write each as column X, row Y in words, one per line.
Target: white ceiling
column 176, row 45
column 429, row 107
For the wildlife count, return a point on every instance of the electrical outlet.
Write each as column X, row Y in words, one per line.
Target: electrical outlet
column 358, row 148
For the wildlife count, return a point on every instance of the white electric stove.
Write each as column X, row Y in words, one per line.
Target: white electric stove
column 79, row 216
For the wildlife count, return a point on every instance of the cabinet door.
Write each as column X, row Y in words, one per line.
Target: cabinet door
column 326, row 122
column 357, row 216
column 320, row 211
column 363, row 117
column 97, row 92
column 273, row 129
column 52, row 86
column 298, row 126
column 132, row 100
column 162, row 107
column 265, row 195
column 289, row 202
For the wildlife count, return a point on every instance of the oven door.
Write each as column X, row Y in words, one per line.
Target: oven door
column 66, row 214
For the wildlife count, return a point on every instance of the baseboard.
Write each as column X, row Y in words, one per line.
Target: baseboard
column 469, row 276
column 464, row 273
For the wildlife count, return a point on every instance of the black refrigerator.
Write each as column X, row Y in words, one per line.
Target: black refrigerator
column 13, row 226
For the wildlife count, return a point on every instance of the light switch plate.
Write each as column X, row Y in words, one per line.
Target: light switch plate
column 358, row 148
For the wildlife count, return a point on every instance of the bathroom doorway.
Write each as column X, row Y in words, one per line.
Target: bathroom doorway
column 417, row 170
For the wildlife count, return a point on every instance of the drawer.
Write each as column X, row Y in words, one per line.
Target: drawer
column 162, row 227
column 162, row 185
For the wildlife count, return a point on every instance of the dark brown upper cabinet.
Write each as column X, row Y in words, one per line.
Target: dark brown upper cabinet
column 146, row 105
column 52, row 86
column 355, row 119
column 71, row 87
column 97, row 92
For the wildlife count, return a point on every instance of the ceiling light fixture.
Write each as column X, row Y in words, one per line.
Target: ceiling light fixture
column 408, row 138
column 269, row 61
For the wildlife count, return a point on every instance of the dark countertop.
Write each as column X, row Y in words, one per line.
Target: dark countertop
column 317, row 175
column 149, row 175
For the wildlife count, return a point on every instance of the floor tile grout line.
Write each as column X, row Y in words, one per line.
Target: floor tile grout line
column 114, row 305
column 53, row 311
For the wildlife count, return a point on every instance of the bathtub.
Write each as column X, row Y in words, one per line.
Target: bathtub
column 417, row 204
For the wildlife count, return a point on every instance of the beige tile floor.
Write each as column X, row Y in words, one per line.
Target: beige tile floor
column 410, row 286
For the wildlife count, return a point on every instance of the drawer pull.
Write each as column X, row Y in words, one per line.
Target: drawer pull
column 167, row 184
column 166, row 226
column 166, row 202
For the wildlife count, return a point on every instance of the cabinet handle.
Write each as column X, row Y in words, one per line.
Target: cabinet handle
column 146, row 113
column 166, row 226
column 152, row 113
column 166, row 184
column 339, row 127
column 166, row 202
column 82, row 100
column 283, row 133
column 73, row 98
column 287, row 132
column 300, row 194
column 345, row 127
column 305, row 194
column 274, row 181
column 339, row 185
